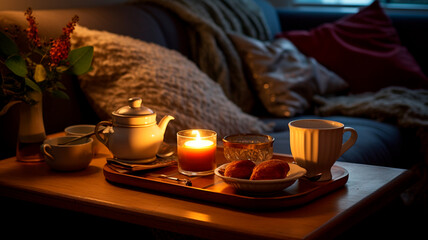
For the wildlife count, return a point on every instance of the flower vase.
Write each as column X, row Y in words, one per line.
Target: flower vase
column 31, row 132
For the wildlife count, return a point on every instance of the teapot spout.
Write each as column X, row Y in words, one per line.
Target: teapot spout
column 164, row 122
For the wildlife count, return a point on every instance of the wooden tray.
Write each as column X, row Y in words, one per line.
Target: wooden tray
column 213, row 189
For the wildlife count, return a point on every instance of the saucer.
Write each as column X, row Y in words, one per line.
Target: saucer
column 136, row 161
column 124, row 167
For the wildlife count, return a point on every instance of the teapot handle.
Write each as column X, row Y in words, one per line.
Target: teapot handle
column 99, row 134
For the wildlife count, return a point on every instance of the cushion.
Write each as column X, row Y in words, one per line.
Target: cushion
column 284, row 79
column 168, row 83
column 364, row 49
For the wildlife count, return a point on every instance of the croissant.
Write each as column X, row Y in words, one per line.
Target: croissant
column 239, row 169
column 270, row 169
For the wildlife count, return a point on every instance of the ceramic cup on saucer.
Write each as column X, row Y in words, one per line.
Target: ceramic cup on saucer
column 67, row 157
column 316, row 144
column 83, row 129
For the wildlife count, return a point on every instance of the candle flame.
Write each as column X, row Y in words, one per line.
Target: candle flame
column 198, row 136
column 198, row 142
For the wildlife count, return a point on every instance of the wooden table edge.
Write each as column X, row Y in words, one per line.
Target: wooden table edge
column 129, row 215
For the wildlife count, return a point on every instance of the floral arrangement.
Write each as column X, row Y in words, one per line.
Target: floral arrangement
column 29, row 63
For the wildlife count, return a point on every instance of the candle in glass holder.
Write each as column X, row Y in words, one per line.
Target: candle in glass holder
column 196, row 152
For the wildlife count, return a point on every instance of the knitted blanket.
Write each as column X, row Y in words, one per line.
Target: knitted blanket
column 209, row 22
column 401, row 106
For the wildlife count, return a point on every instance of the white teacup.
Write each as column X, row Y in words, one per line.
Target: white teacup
column 316, row 144
column 68, row 157
column 83, row 129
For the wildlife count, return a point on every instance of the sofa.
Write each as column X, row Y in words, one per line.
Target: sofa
column 379, row 143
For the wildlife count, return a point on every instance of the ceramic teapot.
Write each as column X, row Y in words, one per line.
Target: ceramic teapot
column 133, row 135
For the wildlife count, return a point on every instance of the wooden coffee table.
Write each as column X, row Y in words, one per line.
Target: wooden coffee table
column 367, row 190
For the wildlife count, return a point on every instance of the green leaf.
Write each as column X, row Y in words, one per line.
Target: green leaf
column 17, row 65
column 60, row 94
column 31, row 84
column 7, row 46
column 80, row 60
column 60, row 85
column 39, row 73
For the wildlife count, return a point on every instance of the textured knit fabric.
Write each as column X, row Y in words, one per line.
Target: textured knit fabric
column 399, row 105
column 168, row 83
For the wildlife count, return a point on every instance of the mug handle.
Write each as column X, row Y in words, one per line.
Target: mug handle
column 45, row 152
column 99, row 134
column 351, row 141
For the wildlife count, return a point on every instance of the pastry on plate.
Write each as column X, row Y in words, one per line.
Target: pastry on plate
column 270, row 169
column 239, row 169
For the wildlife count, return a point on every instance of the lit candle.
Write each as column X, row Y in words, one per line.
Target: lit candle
column 196, row 153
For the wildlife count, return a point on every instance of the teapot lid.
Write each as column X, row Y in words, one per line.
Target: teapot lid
column 134, row 108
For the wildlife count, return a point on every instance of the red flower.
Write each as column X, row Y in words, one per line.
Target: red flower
column 61, row 46
column 32, row 31
column 59, row 51
column 70, row 26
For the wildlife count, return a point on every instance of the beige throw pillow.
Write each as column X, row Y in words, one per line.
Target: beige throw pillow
column 168, row 83
column 285, row 79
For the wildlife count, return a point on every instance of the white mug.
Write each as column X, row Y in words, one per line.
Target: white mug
column 68, row 157
column 316, row 144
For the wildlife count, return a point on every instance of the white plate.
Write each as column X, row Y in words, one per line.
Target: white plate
column 262, row 186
